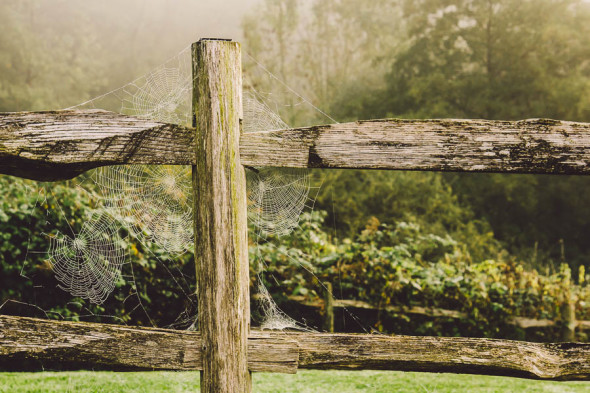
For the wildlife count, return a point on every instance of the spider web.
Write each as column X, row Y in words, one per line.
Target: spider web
column 154, row 203
column 92, row 257
column 164, row 97
column 88, row 265
column 163, row 94
column 276, row 197
column 274, row 317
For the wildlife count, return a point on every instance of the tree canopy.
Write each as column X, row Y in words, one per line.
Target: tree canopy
column 507, row 59
column 494, row 59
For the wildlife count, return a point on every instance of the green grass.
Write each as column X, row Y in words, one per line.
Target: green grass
column 304, row 381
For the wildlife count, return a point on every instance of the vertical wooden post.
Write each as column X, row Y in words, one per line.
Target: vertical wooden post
column 328, row 308
column 568, row 320
column 221, row 236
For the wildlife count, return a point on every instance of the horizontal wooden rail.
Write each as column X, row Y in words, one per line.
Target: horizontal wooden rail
column 35, row 344
column 527, row 146
column 521, row 322
column 60, row 145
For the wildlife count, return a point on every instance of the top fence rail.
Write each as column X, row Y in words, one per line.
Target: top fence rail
column 62, row 144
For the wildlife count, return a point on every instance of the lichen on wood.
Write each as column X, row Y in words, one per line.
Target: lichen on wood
column 59, row 145
column 527, row 146
column 220, row 212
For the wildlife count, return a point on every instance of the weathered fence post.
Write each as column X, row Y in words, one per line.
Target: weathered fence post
column 568, row 320
column 221, row 237
column 328, row 308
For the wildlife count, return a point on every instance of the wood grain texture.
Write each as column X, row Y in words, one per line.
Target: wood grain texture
column 29, row 344
column 34, row 344
column 328, row 308
column 59, row 145
column 562, row 361
column 528, row 146
column 221, row 233
column 568, row 318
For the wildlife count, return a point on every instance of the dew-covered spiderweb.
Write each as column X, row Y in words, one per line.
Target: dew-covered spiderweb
column 163, row 94
column 153, row 203
column 276, row 197
column 88, row 264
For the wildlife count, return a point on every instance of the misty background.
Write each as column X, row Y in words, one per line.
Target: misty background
column 56, row 54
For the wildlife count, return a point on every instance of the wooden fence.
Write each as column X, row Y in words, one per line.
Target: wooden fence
column 567, row 323
column 59, row 145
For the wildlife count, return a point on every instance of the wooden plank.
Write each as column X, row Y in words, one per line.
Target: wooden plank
column 344, row 303
column 530, row 323
column 29, row 344
column 220, row 211
column 60, row 145
column 568, row 318
column 562, row 361
column 527, row 146
column 35, row 344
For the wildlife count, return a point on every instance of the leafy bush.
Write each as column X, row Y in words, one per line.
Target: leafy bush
column 31, row 212
column 399, row 263
column 403, row 264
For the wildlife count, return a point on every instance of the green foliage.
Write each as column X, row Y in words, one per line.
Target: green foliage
column 32, row 212
column 405, row 264
column 531, row 214
column 462, row 59
column 351, row 197
column 491, row 59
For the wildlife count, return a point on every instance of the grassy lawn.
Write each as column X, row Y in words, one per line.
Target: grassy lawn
column 303, row 382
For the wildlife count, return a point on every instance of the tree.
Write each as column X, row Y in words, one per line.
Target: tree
column 501, row 59
column 323, row 50
column 494, row 59
column 40, row 66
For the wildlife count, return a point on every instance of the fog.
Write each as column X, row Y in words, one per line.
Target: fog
column 56, row 53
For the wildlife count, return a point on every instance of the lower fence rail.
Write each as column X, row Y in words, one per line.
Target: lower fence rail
column 28, row 344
